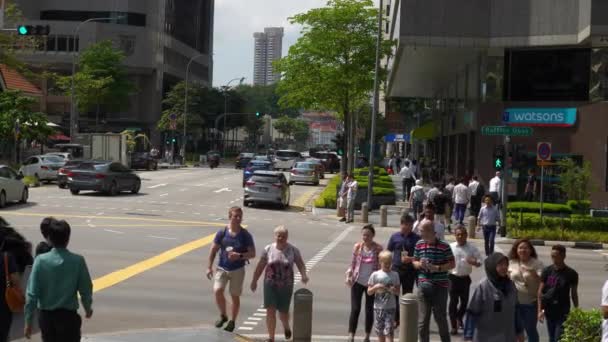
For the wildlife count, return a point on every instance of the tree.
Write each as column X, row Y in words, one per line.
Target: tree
column 101, row 79
column 263, row 99
column 285, row 125
column 253, row 127
column 575, row 181
column 331, row 66
column 301, row 131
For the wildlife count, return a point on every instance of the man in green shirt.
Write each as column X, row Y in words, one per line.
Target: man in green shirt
column 57, row 278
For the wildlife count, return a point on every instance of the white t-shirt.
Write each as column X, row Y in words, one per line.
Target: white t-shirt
column 605, row 303
column 495, row 184
column 383, row 299
column 438, row 227
column 352, row 190
column 461, row 253
column 473, row 187
column 462, row 194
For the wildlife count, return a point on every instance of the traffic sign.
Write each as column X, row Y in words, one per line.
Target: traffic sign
column 172, row 116
column 507, row 130
column 545, row 163
column 543, row 151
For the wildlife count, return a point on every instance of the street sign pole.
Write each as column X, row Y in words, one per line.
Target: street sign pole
column 542, row 181
column 503, row 191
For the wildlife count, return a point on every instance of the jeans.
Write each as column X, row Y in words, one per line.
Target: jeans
column 417, row 207
column 489, row 235
column 60, row 325
column 356, row 291
column 350, row 209
column 459, row 212
column 526, row 320
column 436, row 304
column 459, row 292
column 555, row 327
column 407, row 278
column 407, row 184
column 475, row 205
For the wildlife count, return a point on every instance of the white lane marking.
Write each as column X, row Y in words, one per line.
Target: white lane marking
column 250, row 323
column 163, row 195
column 259, row 314
column 157, row 186
column 255, row 319
column 100, row 213
column 161, row 237
column 222, row 190
column 113, row 231
column 182, row 190
column 246, row 328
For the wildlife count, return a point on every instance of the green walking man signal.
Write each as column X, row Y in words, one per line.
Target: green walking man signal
column 498, row 164
column 499, row 157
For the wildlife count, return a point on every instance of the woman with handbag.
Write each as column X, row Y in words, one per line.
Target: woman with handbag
column 9, row 300
column 363, row 264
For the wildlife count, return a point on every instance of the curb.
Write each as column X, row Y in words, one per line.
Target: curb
column 570, row 244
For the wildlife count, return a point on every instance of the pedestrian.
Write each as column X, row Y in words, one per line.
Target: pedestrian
column 491, row 311
column 417, row 198
column 351, row 195
column 236, row 247
column 433, row 259
column 277, row 263
column 398, row 162
column 466, row 256
column 8, row 274
column 45, row 245
column 449, row 190
column 384, row 286
column 461, row 198
column 531, row 184
column 407, row 180
column 14, row 243
column 365, row 261
column 477, row 193
column 495, row 188
column 342, row 198
column 525, row 270
column 604, row 307
column 414, row 168
column 441, row 203
column 558, row 283
column 430, row 195
column 58, row 277
column 429, row 214
column 488, row 219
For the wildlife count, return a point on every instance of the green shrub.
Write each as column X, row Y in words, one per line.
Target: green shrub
column 579, row 206
column 534, row 207
column 583, row 326
column 383, row 186
column 30, row 181
column 556, row 234
column 574, row 222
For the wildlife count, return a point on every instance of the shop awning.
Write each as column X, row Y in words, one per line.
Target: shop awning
column 426, row 131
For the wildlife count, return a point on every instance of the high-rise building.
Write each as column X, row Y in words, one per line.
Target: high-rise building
column 268, row 48
column 158, row 39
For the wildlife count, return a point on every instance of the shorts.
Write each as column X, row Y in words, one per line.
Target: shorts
column 278, row 297
column 236, row 279
column 384, row 321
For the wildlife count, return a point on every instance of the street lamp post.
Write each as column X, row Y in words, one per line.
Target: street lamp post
column 186, row 104
column 372, row 139
column 226, row 87
column 73, row 122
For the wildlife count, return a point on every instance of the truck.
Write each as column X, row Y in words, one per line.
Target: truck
column 103, row 146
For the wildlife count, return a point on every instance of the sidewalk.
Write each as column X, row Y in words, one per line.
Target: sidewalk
column 194, row 334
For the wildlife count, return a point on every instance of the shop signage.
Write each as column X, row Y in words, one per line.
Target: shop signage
column 506, row 130
column 397, row 138
column 556, row 117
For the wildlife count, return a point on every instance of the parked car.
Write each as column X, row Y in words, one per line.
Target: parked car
column 12, row 187
column 255, row 165
column 242, row 160
column 103, row 176
column 62, row 173
column 330, row 160
column 43, row 167
column 304, row 172
column 263, row 157
column 286, row 159
column 318, row 166
column 267, row 187
column 143, row 160
column 63, row 155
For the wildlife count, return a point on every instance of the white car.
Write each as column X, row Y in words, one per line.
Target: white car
column 12, row 187
column 43, row 168
column 63, row 155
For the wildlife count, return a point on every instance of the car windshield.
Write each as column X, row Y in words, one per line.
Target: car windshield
column 288, row 154
column 265, row 178
column 246, row 155
column 261, row 158
column 259, row 165
column 92, row 166
column 305, row 166
column 52, row 159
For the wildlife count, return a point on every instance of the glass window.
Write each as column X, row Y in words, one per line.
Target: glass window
column 4, row 173
column 598, row 90
column 62, row 44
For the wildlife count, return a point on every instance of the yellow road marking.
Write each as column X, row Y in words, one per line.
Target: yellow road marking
column 143, row 219
column 121, row 275
column 302, row 200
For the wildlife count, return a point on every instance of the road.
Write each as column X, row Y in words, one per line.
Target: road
column 148, row 252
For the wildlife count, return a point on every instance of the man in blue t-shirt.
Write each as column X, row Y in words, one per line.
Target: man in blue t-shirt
column 236, row 247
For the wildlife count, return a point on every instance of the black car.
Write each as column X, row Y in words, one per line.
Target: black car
column 329, row 159
column 143, row 160
column 108, row 177
column 62, row 174
column 243, row 159
column 256, row 165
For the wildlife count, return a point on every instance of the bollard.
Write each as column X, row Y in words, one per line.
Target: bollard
column 472, row 226
column 364, row 213
column 408, row 321
column 302, row 316
column 383, row 214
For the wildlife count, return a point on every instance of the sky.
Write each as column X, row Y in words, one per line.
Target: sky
column 235, row 23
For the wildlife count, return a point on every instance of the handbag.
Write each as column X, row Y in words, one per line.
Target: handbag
column 15, row 300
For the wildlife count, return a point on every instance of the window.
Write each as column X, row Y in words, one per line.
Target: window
column 4, row 173
column 129, row 18
column 62, row 44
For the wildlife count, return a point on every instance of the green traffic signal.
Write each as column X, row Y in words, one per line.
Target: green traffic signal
column 23, row 30
column 498, row 163
column 257, row 114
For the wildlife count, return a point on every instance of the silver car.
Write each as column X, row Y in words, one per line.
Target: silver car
column 267, row 187
column 304, row 172
column 43, row 168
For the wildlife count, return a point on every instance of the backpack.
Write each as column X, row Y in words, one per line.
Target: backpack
column 419, row 195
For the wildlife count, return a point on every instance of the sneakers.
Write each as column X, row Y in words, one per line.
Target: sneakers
column 230, row 326
column 342, row 219
column 220, row 322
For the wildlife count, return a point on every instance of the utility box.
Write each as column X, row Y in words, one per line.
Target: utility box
column 104, row 146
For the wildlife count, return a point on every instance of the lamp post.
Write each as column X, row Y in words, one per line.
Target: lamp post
column 372, row 142
column 73, row 122
column 226, row 87
column 186, row 104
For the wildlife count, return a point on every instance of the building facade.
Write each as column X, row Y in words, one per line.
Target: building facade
column 536, row 63
column 158, row 38
column 268, row 47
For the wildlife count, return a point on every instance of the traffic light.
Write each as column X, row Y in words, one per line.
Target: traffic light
column 499, row 157
column 340, row 152
column 33, row 30
column 257, row 114
column 173, row 140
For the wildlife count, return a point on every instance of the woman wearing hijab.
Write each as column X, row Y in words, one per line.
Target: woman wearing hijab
column 493, row 301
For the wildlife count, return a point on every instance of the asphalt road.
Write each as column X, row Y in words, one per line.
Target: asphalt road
column 148, row 252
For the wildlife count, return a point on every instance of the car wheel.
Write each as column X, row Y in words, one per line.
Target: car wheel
column 2, row 199
column 136, row 188
column 245, row 204
column 24, row 195
column 74, row 191
column 148, row 166
column 316, row 183
column 155, row 166
column 113, row 190
column 292, row 183
column 61, row 185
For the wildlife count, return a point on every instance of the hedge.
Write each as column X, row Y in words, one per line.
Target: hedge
column 327, row 198
column 579, row 206
column 383, row 186
column 583, row 326
column 534, row 207
column 552, row 234
column 532, row 221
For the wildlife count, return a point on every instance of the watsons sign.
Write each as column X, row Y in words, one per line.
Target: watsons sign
column 557, row 117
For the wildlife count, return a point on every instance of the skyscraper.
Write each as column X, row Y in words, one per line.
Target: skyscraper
column 268, row 48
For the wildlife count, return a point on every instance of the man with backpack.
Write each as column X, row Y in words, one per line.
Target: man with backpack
column 236, row 247
column 417, row 198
